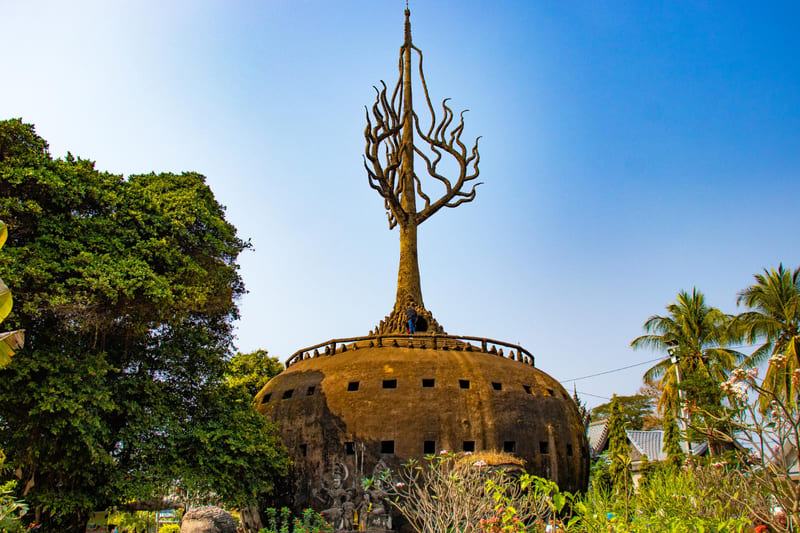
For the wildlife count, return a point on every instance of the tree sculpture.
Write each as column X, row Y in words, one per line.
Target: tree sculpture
column 389, row 160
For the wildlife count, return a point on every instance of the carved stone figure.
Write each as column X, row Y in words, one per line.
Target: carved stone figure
column 208, row 519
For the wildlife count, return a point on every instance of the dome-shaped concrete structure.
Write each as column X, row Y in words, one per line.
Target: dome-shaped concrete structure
column 394, row 398
column 349, row 409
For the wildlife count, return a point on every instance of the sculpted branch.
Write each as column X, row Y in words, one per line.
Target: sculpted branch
column 389, row 160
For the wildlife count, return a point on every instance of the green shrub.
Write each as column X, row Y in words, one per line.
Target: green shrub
column 170, row 528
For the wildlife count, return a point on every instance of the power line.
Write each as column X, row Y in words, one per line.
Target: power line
column 614, row 370
column 592, row 395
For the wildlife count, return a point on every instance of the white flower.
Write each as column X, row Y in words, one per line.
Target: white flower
column 479, row 463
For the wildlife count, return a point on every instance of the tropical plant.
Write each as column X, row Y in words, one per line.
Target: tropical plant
column 695, row 336
column 462, row 492
column 672, row 440
column 619, row 451
column 127, row 289
column 774, row 321
column 10, row 341
column 772, row 436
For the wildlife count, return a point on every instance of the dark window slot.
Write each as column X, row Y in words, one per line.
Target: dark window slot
column 389, row 383
column 428, row 383
column 311, row 390
column 265, row 398
column 510, row 446
column 544, row 447
column 527, row 389
column 349, row 448
column 463, row 383
column 429, row 447
column 569, row 450
column 304, row 450
column 387, row 447
column 469, row 446
column 497, row 386
column 288, row 394
column 352, row 386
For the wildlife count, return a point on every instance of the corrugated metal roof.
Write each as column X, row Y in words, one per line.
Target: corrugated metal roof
column 597, row 435
column 649, row 443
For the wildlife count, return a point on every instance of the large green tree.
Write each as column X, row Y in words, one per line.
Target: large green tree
column 618, row 449
column 252, row 370
column 127, row 289
column 774, row 321
column 634, row 410
column 696, row 334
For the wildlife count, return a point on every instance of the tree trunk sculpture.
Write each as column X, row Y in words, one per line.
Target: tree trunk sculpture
column 389, row 160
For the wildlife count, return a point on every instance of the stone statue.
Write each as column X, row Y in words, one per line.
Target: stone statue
column 208, row 519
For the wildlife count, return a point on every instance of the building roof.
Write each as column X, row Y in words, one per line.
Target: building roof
column 649, row 443
column 597, row 435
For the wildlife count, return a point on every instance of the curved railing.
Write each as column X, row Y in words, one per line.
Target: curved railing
column 435, row 342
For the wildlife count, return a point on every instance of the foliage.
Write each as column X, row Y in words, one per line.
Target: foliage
column 773, row 436
column 10, row 341
column 774, row 321
column 11, row 509
column 672, row 440
column 132, row 522
column 170, row 528
column 671, row 501
column 634, row 410
column 619, row 451
column 127, row 290
column 696, row 335
column 452, row 492
column 252, row 370
column 283, row 522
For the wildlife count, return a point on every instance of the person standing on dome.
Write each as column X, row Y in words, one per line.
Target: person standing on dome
column 411, row 314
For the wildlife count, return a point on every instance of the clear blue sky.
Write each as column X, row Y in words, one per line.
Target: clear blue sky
column 629, row 150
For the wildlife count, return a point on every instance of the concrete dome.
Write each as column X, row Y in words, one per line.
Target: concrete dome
column 394, row 398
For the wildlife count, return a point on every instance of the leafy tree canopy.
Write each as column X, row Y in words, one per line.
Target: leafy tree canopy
column 634, row 410
column 127, row 289
column 252, row 370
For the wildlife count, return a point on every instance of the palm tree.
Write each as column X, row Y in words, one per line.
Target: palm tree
column 696, row 335
column 774, row 318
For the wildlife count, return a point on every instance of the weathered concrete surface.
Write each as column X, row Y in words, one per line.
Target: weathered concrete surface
column 508, row 404
column 208, row 519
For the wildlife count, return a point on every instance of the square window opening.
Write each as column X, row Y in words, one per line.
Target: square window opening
column 469, row 446
column 510, row 446
column 387, row 447
column 311, row 390
column 497, row 386
column 288, row 394
column 463, row 383
column 429, row 447
column 544, row 447
column 428, row 383
column 389, row 383
column 352, row 386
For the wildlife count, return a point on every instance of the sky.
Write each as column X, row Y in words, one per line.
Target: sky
column 629, row 150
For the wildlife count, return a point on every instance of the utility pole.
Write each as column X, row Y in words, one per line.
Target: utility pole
column 674, row 357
